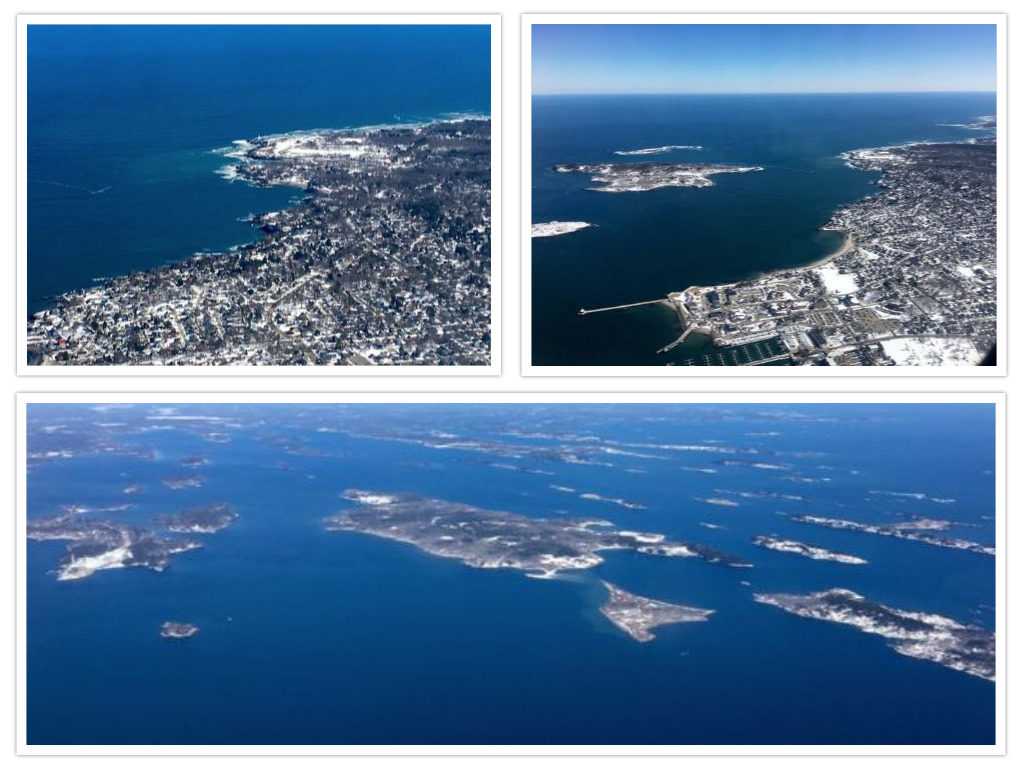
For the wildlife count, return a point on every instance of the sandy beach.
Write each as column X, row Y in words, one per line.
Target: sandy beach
column 848, row 245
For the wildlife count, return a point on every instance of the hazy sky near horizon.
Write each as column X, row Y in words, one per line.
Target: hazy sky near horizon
column 762, row 58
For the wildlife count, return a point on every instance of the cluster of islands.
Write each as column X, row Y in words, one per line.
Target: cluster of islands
column 912, row 283
column 540, row 546
column 386, row 260
column 98, row 543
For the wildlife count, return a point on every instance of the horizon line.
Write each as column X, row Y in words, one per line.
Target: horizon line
column 745, row 93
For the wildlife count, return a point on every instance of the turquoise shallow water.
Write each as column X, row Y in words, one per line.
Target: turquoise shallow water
column 122, row 121
column 316, row 637
column 645, row 245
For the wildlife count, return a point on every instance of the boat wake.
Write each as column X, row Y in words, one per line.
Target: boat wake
column 99, row 191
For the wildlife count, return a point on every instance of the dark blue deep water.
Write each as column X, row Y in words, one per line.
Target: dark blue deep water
column 647, row 244
column 311, row 637
column 122, row 121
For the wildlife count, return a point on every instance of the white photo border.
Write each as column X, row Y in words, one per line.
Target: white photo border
column 493, row 368
column 997, row 400
column 811, row 372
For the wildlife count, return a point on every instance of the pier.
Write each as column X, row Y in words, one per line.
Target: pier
column 678, row 341
column 583, row 312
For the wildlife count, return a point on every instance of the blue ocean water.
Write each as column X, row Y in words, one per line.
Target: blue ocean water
column 645, row 245
column 122, row 121
column 316, row 637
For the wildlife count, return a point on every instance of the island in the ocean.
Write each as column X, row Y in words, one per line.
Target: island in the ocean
column 177, row 630
column 799, row 548
column 385, row 260
column 484, row 538
column 208, row 519
column 637, row 616
column 909, row 530
column 181, row 482
column 716, row 501
column 97, row 544
column 643, row 177
column 555, row 228
column 658, row 150
column 920, row 635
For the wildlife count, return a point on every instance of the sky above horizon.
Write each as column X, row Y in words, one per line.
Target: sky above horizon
column 762, row 58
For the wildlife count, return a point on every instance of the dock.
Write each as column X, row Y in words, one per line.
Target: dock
column 678, row 341
column 583, row 312
column 766, row 352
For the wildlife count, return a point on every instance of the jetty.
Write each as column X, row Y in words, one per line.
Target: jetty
column 678, row 341
column 583, row 312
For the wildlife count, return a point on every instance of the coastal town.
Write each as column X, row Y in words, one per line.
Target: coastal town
column 386, row 260
column 914, row 282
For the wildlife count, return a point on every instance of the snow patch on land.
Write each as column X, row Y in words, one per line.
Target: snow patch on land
column 837, row 282
column 932, row 351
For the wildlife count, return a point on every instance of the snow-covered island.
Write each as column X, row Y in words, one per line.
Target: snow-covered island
column 926, row 636
column 208, row 519
column 799, row 548
column 625, row 503
column 181, row 482
column 658, row 150
column 177, row 630
column 716, row 501
column 643, row 177
column 637, row 616
column 909, row 530
column 484, row 538
column 555, row 228
column 98, row 545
